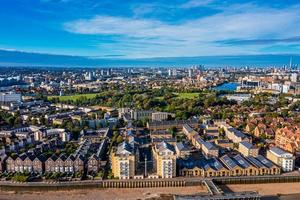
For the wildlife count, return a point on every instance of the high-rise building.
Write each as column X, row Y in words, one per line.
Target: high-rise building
column 124, row 161
column 172, row 72
column 294, row 77
column 88, row 76
column 190, row 73
column 164, row 157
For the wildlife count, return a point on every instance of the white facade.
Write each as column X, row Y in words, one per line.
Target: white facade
column 294, row 77
column 282, row 158
column 167, row 168
column 10, row 97
column 124, row 169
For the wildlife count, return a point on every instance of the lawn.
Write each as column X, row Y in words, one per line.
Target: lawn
column 74, row 97
column 184, row 95
column 189, row 95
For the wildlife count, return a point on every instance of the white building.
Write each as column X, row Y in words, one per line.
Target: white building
column 282, row 158
column 294, row 77
column 10, row 97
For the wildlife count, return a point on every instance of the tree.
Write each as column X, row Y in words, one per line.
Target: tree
column 119, row 139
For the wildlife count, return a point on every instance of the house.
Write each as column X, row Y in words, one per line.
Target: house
column 3, row 158
column 182, row 150
column 248, row 149
column 26, row 162
column 288, row 138
column 223, row 143
column 209, row 149
column 233, row 134
column 211, row 131
column 94, row 135
column 64, row 163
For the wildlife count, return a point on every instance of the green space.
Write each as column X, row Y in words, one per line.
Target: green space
column 187, row 95
column 184, row 95
column 74, row 97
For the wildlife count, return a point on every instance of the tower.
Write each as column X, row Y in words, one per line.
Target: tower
column 291, row 61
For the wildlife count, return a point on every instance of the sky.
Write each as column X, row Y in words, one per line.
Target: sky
column 129, row 29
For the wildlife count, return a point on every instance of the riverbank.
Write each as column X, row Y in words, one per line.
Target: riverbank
column 267, row 189
column 102, row 194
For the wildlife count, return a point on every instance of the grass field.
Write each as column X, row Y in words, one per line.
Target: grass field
column 190, row 95
column 74, row 97
column 187, row 95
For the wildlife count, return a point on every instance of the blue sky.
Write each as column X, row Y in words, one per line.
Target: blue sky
column 145, row 29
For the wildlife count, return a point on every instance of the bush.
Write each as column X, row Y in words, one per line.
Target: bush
column 20, row 177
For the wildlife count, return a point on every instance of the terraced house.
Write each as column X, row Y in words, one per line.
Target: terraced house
column 26, row 162
column 65, row 163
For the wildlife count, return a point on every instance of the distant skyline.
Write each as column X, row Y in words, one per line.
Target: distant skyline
column 118, row 29
column 15, row 58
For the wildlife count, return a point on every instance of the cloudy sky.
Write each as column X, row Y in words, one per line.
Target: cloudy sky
column 145, row 29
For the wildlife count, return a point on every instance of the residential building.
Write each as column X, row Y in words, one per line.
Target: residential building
column 282, row 158
column 182, row 150
column 161, row 116
column 248, row 149
column 209, row 149
column 163, row 125
column 223, row 143
column 288, row 139
column 26, row 162
column 164, row 158
column 10, row 97
column 141, row 114
column 94, row 135
column 233, row 134
column 65, row 164
column 123, row 161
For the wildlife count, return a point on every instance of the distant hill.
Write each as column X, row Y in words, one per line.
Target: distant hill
column 17, row 58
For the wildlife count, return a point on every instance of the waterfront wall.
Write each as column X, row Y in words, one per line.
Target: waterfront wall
column 144, row 183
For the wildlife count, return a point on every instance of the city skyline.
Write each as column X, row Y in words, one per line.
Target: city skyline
column 137, row 29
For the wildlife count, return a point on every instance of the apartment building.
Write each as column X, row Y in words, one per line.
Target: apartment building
column 141, row 114
column 161, row 116
column 7, row 97
column 123, row 161
column 164, row 125
column 248, row 149
column 164, row 158
column 282, row 158
column 233, row 134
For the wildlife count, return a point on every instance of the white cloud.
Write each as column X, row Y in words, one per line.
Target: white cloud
column 196, row 3
column 193, row 37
